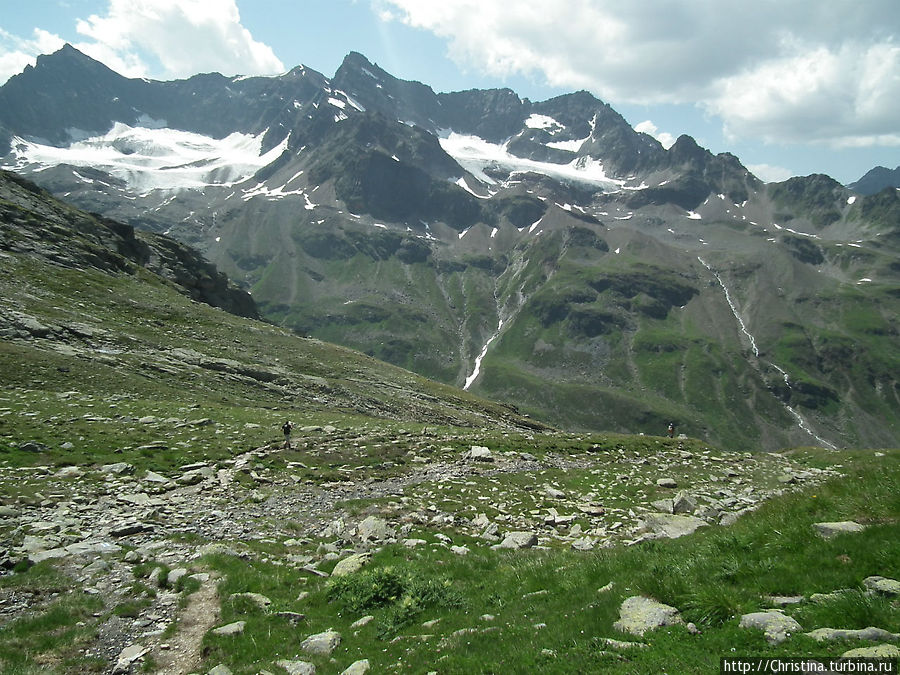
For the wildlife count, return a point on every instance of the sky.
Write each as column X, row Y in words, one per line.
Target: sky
column 792, row 87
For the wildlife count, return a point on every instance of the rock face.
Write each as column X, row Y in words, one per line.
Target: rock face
column 638, row 614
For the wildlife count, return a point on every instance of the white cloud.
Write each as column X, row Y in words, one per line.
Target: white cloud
column 649, row 128
column 769, row 173
column 184, row 36
column 789, row 71
column 16, row 52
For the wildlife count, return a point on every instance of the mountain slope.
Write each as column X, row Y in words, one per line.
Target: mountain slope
column 80, row 310
column 543, row 253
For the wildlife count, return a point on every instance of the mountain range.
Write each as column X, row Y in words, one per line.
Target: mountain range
column 541, row 254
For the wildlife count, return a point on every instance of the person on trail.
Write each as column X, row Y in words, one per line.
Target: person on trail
column 286, row 428
column 671, row 430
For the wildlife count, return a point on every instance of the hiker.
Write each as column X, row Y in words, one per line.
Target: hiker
column 671, row 430
column 287, row 427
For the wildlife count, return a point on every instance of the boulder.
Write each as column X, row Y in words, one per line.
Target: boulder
column 350, row 564
column 235, row 628
column 479, row 454
column 776, row 626
column 671, row 526
column 374, row 528
column 297, row 667
column 876, row 652
column 882, row 585
column 871, row 634
column 357, row 668
column 638, row 614
column 321, row 643
column 518, row 540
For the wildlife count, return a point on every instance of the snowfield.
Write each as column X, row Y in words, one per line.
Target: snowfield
column 155, row 159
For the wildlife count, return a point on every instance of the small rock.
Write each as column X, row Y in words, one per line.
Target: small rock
column 871, row 634
column 235, row 628
column 829, row 530
column 220, row 669
column 667, row 483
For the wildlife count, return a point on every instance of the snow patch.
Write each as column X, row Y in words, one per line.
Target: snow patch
column 536, row 121
column 694, row 216
column 851, row 200
column 476, row 154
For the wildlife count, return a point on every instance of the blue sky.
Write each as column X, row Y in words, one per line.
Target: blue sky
column 791, row 87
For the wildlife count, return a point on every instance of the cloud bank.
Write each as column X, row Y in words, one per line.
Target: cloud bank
column 777, row 70
column 164, row 38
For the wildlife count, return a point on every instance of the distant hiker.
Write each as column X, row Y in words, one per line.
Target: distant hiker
column 671, row 430
column 287, row 428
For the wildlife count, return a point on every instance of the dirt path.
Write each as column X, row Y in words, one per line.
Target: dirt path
column 180, row 653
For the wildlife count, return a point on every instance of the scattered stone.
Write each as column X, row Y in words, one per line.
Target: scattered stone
column 872, row 634
column 882, row 585
column 220, row 669
column 776, row 626
column 553, row 493
column 321, row 643
column 235, row 628
column 619, row 644
column 638, row 614
column 359, row 623
column 667, row 483
column 459, row 550
column 829, row 530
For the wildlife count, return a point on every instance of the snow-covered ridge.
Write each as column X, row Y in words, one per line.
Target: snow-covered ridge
column 149, row 159
column 476, row 154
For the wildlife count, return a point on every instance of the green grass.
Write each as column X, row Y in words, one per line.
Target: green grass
column 547, row 613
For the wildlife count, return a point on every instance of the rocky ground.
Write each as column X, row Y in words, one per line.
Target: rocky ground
column 108, row 527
